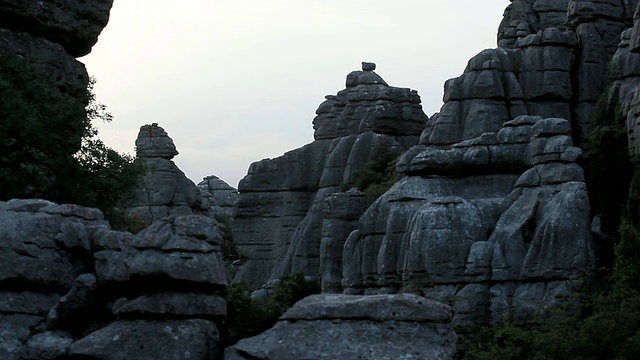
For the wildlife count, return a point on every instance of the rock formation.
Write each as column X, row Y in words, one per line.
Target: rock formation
column 51, row 34
column 220, row 197
column 355, row 327
column 279, row 215
column 71, row 286
column 484, row 236
column 165, row 189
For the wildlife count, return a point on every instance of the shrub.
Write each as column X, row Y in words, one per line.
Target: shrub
column 248, row 317
column 377, row 175
column 49, row 148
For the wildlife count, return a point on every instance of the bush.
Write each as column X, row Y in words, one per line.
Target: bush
column 377, row 175
column 248, row 317
column 606, row 327
column 49, row 148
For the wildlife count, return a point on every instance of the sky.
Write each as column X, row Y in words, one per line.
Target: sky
column 237, row 81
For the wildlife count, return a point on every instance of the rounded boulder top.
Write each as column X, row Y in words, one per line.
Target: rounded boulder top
column 368, row 66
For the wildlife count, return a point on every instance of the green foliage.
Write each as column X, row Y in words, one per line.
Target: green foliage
column 248, row 317
column 229, row 251
column 606, row 327
column 609, row 169
column 378, row 174
column 49, row 148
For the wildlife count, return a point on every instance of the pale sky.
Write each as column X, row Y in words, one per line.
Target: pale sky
column 237, row 81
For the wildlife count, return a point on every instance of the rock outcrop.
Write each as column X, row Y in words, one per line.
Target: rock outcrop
column 484, row 236
column 165, row 188
column 72, row 287
column 355, row 327
column 51, row 34
column 279, row 215
column 220, row 197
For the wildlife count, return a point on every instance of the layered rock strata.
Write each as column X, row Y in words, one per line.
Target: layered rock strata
column 493, row 223
column 165, row 188
column 355, row 327
column 220, row 197
column 51, row 34
column 279, row 215
column 72, row 287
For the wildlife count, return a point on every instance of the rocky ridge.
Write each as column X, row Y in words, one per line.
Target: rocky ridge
column 355, row 327
column 71, row 286
column 279, row 215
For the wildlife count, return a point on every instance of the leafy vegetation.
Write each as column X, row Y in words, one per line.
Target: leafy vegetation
column 49, row 148
column 248, row 317
column 608, row 170
column 378, row 174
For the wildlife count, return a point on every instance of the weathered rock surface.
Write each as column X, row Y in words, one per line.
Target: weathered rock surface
column 71, row 286
column 151, row 339
column 355, row 327
column 165, row 188
column 480, row 240
column 279, row 215
column 220, row 197
column 71, row 23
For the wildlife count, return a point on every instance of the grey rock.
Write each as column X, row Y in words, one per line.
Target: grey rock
column 151, row 339
column 341, row 214
column 184, row 248
column 279, row 214
column 27, row 302
column 397, row 307
column 220, row 196
column 153, row 141
column 14, row 331
column 173, row 304
column 48, row 57
column 165, row 190
column 349, row 327
column 75, row 305
column 38, row 238
column 73, row 24
column 48, row 345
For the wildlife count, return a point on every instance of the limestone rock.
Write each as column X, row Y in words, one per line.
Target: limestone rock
column 341, row 214
column 446, row 237
column 173, row 250
column 37, row 241
column 279, row 214
column 49, row 345
column 173, row 304
column 151, row 339
column 73, row 24
column 349, row 327
column 48, row 57
column 220, row 196
column 165, row 189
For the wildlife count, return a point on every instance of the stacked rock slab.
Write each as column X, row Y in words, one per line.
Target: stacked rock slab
column 51, row 34
column 355, row 327
column 486, row 236
column 279, row 215
column 72, row 287
column 165, row 189
column 220, row 197
column 597, row 25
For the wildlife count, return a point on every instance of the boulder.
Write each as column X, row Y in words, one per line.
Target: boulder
column 400, row 326
column 71, row 23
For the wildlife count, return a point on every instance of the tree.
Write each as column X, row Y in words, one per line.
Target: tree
column 49, row 148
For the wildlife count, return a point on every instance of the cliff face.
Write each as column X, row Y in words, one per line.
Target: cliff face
column 51, row 34
column 492, row 211
column 278, row 222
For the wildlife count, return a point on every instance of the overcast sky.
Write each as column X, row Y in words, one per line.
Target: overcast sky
column 237, row 81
